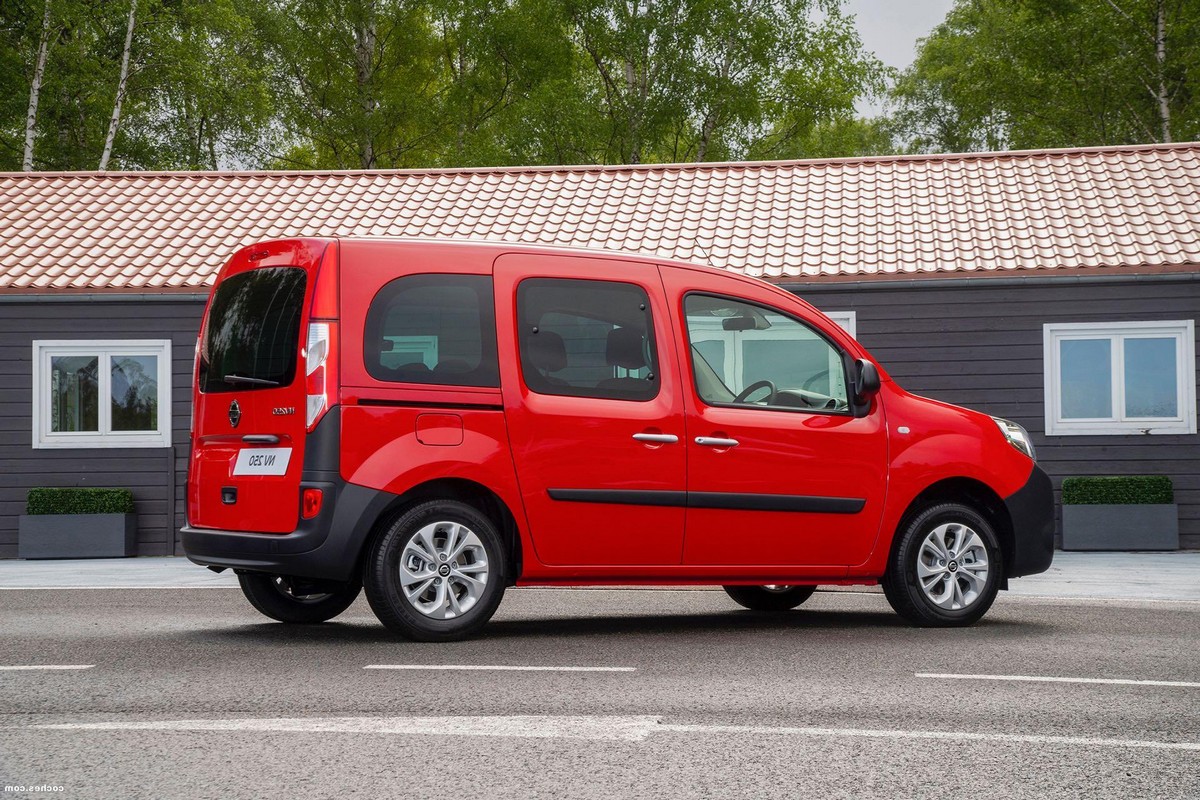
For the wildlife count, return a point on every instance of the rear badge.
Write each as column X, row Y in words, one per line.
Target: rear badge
column 235, row 413
column 283, row 412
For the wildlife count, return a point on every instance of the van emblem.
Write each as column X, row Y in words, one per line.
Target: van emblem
column 283, row 412
column 235, row 413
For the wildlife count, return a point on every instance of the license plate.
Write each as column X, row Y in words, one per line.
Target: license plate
column 263, row 461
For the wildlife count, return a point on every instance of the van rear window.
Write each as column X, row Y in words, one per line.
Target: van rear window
column 436, row 329
column 253, row 331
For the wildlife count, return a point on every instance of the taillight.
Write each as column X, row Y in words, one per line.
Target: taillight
column 310, row 503
column 320, row 358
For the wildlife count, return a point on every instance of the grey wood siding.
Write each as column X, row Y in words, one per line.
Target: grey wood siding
column 156, row 475
column 980, row 346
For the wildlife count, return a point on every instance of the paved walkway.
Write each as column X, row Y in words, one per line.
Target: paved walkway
column 1129, row 576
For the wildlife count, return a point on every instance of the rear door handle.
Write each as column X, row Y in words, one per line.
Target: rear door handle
column 656, row 438
column 260, row 438
column 715, row 441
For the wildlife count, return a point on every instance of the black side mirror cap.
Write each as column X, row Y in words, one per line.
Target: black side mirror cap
column 866, row 379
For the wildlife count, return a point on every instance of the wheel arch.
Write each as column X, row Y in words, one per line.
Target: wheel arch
column 474, row 494
column 966, row 491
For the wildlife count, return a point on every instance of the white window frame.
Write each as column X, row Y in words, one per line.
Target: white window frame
column 104, row 350
column 848, row 320
column 1183, row 331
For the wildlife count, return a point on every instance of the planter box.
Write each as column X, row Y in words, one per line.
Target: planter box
column 1126, row 527
column 77, row 535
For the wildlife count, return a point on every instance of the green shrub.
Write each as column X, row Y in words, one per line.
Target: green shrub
column 80, row 501
column 1118, row 490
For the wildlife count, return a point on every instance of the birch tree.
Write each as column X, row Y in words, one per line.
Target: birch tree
column 1054, row 73
column 35, row 88
column 122, row 82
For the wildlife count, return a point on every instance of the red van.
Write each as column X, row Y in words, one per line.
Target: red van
column 437, row 421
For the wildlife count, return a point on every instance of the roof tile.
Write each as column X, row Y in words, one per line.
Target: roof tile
column 1127, row 208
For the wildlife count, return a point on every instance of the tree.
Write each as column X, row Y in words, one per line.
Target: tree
column 1054, row 73
column 697, row 80
column 355, row 80
column 122, row 85
column 35, row 87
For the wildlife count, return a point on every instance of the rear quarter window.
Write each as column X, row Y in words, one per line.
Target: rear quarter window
column 433, row 329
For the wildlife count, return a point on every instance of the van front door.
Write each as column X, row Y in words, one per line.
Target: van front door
column 594, row 410
column 780, row 471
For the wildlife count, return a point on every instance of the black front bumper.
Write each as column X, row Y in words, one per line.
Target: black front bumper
column 327, row 547
column 1031, row 509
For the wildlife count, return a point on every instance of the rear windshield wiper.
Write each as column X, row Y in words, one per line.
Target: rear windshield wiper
column 252, row 381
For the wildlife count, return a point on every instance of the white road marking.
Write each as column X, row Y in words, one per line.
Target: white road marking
column 497, row 668
column 48, row 666
column 607, row 728
column 1055, row 679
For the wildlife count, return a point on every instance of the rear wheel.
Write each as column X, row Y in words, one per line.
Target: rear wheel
column 771, row 597
column 297, row 600
column 437, row 573
column 946, row 568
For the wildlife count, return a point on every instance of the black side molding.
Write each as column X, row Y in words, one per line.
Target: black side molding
column 723, row 500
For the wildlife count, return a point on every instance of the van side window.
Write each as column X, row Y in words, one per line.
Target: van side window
column 587, row 339
column 437, row 329
column 744, row 354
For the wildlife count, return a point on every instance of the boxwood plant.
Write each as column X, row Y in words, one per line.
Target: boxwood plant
column 79, row 501
column 1118, row 490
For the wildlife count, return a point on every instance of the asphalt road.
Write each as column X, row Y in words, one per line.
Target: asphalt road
column 191, row 694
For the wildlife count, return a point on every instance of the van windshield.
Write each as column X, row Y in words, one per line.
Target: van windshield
column 253, row 330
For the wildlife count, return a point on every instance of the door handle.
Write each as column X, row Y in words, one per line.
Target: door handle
column 715, row 441
column 260, row 438
column 656, row 438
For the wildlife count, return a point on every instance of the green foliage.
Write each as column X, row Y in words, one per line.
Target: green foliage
column 425, row 83
column 1118, row 490
column 1000, row 74
column 80, row 501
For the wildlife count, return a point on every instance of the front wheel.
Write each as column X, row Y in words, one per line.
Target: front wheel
column 437, row 573
column 946, row 568
column 770, row 597
column 296, row 600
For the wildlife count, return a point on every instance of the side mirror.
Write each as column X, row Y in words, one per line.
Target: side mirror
column 866, row 379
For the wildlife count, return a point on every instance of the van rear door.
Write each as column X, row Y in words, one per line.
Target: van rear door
column 250, row 395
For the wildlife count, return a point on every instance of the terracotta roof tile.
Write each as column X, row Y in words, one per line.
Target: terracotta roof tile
column 1131, row 209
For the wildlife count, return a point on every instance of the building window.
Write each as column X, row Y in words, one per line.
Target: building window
column 102, row 393
column 1120, row 378
column 847, row 320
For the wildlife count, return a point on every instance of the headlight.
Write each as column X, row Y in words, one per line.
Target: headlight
column 1017, row 436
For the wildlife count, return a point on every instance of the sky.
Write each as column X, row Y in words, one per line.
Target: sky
column 890, row 29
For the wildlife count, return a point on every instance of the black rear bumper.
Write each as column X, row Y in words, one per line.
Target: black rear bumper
column 326, row 547
column 1031, row 509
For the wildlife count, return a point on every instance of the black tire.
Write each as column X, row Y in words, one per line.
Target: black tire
column 903, row 587
column 383, row 568
column 295, row 600
column 760, row 598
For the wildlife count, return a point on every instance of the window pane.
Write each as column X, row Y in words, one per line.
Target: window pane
column 437, row 329
column 253, row 330
column 74, row 394
column 803, row 367
column 134, row 389
column 587, row 338
column 1151, row 388
column 1086, row 370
